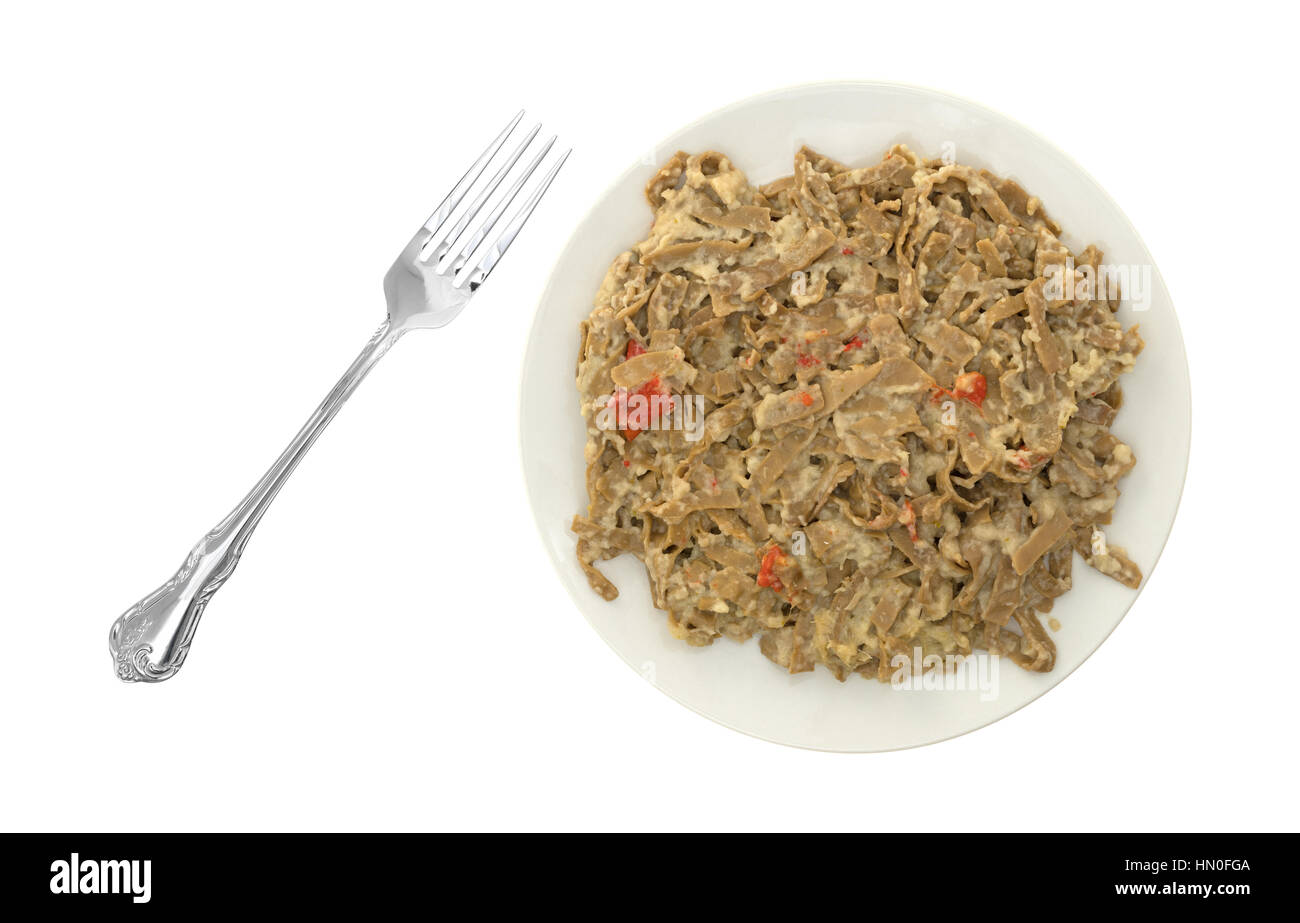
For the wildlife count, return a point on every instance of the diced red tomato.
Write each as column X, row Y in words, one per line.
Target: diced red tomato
column 908, row 518
column 634, row 348
column 658, row 401
column 1023, row 459
column 970, row 386
column 772, row 559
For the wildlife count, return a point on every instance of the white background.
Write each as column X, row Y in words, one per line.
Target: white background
column 196, row 209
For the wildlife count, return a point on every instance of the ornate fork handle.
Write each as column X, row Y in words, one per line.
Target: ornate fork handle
column 150, row 640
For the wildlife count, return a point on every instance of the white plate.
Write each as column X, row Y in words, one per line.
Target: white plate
column 733, row 683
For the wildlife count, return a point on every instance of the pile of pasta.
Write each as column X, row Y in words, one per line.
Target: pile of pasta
column 906, row 436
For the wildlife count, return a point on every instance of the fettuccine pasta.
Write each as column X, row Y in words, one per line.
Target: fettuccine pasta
column 905, row 434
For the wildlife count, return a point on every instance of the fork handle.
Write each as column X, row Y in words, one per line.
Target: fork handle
column 150, row 640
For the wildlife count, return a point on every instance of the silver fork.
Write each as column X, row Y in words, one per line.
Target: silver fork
column 431, row 281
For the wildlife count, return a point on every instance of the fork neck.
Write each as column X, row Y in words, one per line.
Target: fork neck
column 236, row 528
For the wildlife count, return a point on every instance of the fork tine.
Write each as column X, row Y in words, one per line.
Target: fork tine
column 458, row 192
column 449, row 241
column 486, row 227
column 476, row 276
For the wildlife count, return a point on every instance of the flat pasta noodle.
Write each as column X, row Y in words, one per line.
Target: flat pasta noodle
column 904, row 439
